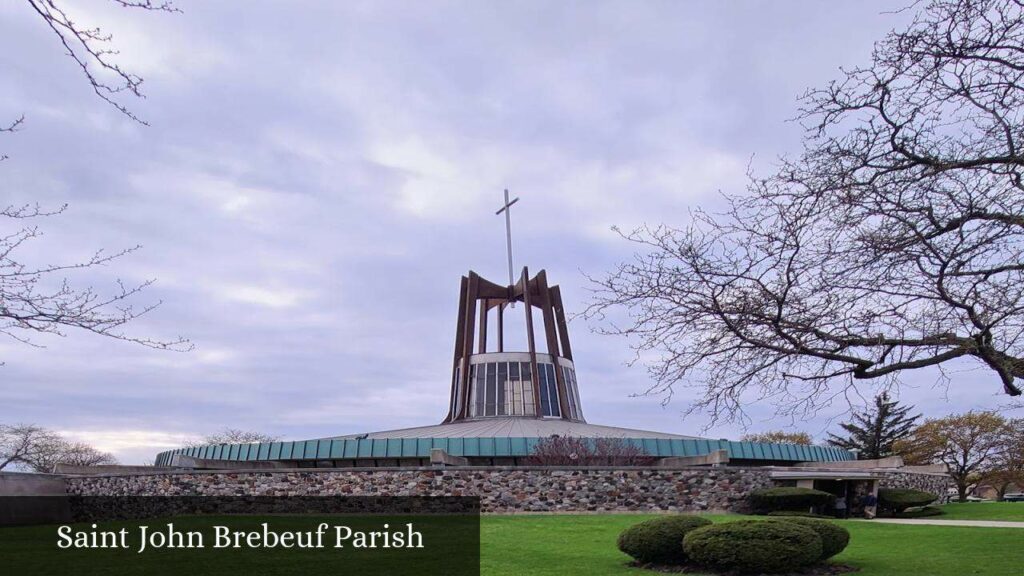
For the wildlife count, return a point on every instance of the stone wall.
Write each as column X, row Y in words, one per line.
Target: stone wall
column 938, row 484
column 501, row 490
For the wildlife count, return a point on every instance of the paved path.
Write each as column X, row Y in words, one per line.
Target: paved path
column 979, row 523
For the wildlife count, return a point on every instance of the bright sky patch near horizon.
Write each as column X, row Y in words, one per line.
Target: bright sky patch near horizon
column 317, row 176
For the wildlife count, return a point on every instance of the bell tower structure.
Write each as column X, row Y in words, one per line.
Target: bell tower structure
column 491, row 382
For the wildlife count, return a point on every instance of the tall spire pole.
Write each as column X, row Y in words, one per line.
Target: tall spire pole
column 508, row 233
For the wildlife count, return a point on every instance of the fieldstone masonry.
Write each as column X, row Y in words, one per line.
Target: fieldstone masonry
column 501, row 490
column 939, row 484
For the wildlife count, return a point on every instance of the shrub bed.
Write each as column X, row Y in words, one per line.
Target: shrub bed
column 789, row 498
column 834, row 538
column 754, row 546
column 899, row 499
column 660, row 540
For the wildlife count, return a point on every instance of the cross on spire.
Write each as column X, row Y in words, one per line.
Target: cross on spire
column 508, row 232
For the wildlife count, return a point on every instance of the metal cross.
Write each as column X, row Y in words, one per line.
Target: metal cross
column 508, row 233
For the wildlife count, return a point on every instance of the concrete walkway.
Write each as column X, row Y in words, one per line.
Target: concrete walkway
column 931, row 522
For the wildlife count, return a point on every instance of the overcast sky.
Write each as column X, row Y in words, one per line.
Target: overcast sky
column 317, row 176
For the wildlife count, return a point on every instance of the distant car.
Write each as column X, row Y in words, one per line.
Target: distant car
column 1015, row 497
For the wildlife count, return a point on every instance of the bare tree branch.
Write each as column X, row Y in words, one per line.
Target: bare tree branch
column 894, row 242
column 91, row 49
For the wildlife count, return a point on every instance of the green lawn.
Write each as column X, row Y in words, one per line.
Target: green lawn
column 526, row 544
column 1013, row 511
column 513, row 545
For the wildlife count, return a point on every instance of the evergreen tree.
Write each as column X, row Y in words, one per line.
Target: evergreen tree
column 874, row 431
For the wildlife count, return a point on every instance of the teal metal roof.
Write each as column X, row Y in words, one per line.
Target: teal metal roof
column 367, row 448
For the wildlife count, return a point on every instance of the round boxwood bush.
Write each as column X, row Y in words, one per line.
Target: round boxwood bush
column 834, row 537
column 789, row 498
column 754, row 546
column 899, row 499
column 660, row 540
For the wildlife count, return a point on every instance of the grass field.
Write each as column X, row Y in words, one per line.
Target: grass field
column 513, row 545
column 539, row 545
column 1012, row 511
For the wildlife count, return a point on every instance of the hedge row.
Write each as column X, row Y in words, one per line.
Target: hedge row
column 789, row 498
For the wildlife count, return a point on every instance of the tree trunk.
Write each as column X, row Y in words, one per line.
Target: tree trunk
column 961, row 490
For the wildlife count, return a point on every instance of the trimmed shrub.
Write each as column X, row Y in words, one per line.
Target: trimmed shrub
column 660, row 540
column 899, row 499
column 754, row 546
column 834, row 538
column 798, row 514
column 789, row 498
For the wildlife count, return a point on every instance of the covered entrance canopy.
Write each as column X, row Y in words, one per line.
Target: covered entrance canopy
column 849, row 485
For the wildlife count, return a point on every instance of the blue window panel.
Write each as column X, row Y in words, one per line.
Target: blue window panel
column 275, row 451
column 748, row 449
column 664, row 447
column 486, row 446
column 440, row 443
column 379, row 448
column 689, row 447
column 336, row 449
column 323, row 449
column 263, row 452
column 254, row 450
column 305, row 449
column 287, row 449
column 243, row 452
column 233, row 452
column 650, row 446
column 456, row 446
column 349, row 448
column 763, row 452
column 393, row 448
column 470, row 446
column 502, row 446
column 364, row 448
column 410, row 448
column 517, row 447
column 423, row 446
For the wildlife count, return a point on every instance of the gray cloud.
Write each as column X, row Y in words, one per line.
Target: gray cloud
column 318, row 175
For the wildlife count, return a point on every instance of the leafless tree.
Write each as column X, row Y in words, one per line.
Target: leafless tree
column 92, row 50
column 576, row 451
column 780, row 437
column 893, row 242
column 39, row 299
column 67, row 452
column 235, row 436
column 39, row 449
column 22, row 444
